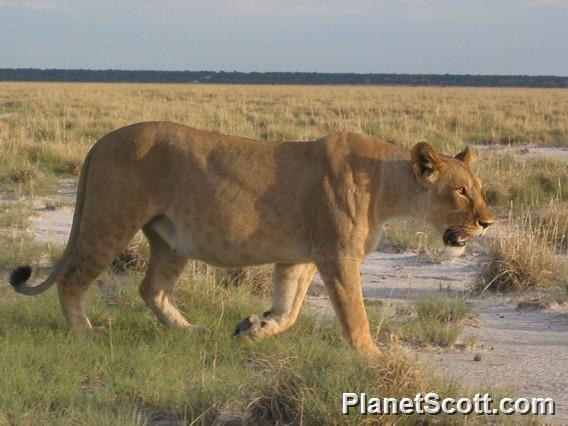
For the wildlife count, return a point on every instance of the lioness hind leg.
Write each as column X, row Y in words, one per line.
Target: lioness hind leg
column 157, row 286
column 291, row 282
column 91, row 256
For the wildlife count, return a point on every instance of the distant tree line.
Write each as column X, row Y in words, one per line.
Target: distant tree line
column 307, row 78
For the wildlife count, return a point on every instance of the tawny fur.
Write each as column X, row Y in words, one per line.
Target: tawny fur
column 236, row 202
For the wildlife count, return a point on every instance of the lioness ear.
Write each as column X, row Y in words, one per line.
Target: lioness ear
column 426, row 163
column 466, row 156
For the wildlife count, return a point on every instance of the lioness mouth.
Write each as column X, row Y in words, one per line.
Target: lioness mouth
column 453, row 239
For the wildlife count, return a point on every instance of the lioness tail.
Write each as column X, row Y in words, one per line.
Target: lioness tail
column 20, row 276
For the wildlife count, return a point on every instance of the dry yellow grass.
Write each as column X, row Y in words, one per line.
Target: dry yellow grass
column 47, row 128
column 521, row 258
column 62, row 114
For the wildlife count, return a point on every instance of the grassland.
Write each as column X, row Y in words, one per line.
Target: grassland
column 139, row 373
column 58, row 122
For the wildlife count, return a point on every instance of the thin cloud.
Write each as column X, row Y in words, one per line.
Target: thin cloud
column 29, row 4
column 556, row 3
column 299, row 7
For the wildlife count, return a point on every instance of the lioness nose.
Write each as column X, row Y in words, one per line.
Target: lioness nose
column 485, row 223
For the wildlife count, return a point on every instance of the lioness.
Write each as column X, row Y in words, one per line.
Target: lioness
column 235, row 202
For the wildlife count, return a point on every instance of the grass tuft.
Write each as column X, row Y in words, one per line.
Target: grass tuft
column 443, row 309
column 299, row 392
column 430, row 321
column 432, row 333
column 519, row 259
column 552, row 220
column 438, row 321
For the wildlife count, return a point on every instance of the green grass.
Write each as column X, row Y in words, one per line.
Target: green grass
column 17, row 248
column 438, row 321
column 17, row 245
column 15, row 214
column 444, row 309
column 137, row 371
column 429, row 321
column 431, row 333
column 404, row 234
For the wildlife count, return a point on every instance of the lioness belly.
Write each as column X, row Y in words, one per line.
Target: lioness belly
column 224, row 246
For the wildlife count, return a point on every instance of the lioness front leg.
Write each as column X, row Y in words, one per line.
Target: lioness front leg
column 341, row 277
column 290, row 284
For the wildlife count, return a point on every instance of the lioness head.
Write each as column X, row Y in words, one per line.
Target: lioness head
column 452, row 199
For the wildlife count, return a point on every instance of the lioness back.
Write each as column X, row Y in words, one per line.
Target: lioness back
column 227, row 200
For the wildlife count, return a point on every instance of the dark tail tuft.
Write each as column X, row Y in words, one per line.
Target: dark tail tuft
column 20, row 275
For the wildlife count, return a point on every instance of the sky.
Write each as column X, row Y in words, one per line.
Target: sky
column 363, row 36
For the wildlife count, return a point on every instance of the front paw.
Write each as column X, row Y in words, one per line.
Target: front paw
column 251, row 328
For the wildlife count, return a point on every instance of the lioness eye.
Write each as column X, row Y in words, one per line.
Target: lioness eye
column 461, row 190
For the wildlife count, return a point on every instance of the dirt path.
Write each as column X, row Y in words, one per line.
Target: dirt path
column 53, row 224
column 526, row 352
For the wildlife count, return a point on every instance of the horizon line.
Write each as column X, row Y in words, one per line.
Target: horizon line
column 281, row 72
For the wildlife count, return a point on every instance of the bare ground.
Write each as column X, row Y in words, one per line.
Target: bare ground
column 524, row 152
column 525, row 352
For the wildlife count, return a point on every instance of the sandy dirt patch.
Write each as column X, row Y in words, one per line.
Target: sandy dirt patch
column 526, row 352
column 52, row 226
